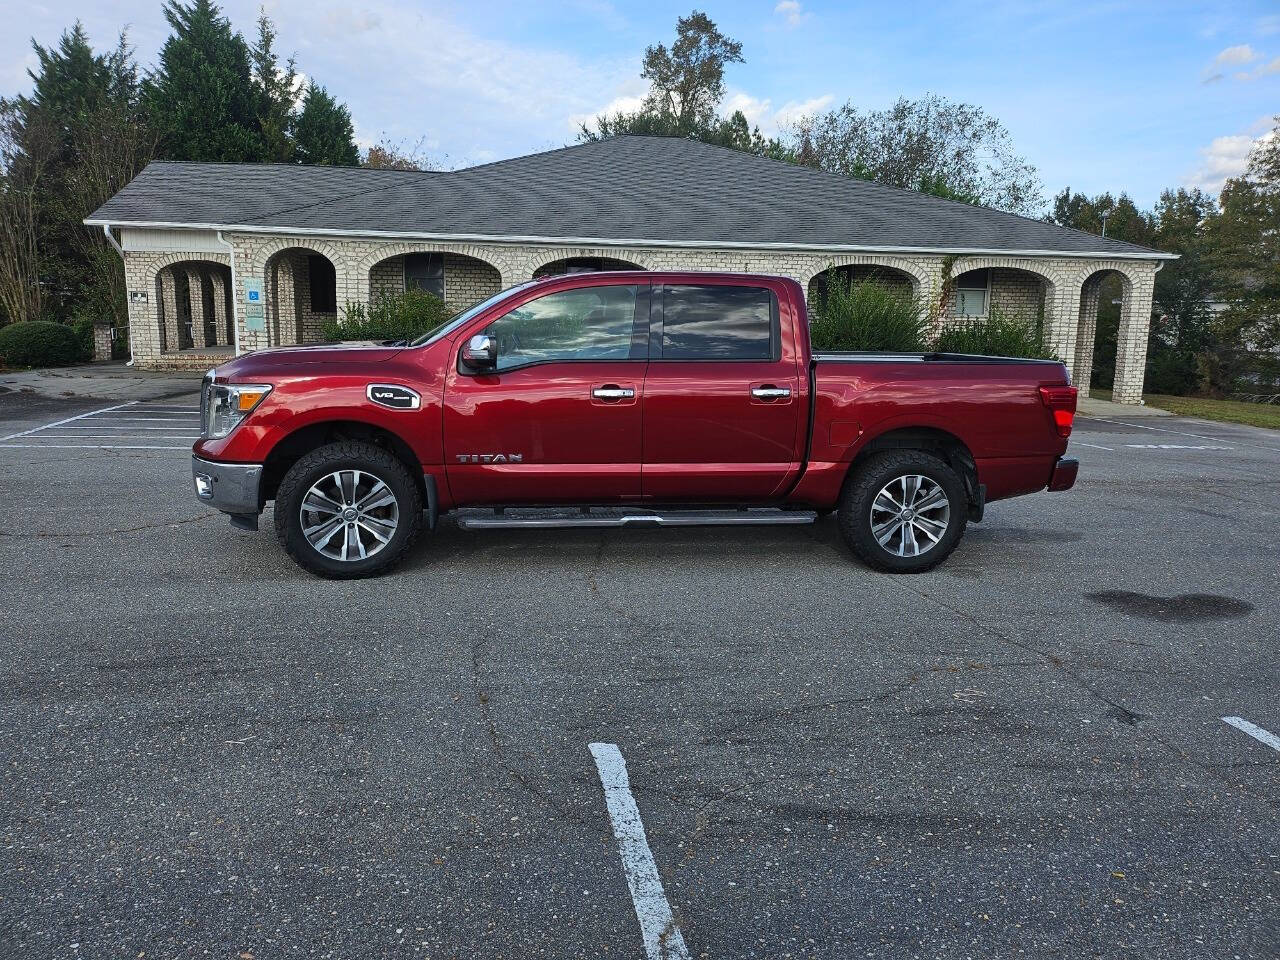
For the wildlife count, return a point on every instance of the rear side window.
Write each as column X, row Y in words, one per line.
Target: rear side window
column 718, row 323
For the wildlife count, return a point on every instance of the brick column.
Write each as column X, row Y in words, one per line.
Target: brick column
column 1061, row 317
column 1086, row 332
column 1131, row 338
column 170, row 340
column 195, row 292
column 218, row 282
column 101, row 341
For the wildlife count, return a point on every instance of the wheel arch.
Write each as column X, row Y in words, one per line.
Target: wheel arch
column 298, row 443
column 943, row 444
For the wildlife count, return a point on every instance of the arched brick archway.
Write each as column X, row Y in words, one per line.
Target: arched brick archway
column 301, row 285
column 193, row 303
column 1039, row 291
column 892, row 269
column 1109, row 282
column 457, row 275
column 893, row 278
column 635, row 259
column 583, row 265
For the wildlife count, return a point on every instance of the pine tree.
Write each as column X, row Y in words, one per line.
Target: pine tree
column 276, row 94
column 202, row 97
column 323, row 133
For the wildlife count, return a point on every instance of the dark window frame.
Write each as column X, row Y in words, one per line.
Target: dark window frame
column 657, row 319
column 428, row 254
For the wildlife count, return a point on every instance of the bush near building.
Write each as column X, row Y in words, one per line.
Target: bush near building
column 39, row 343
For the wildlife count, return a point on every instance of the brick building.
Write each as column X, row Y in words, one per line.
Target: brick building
column 222, row 258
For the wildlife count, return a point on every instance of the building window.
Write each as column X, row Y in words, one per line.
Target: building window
column 973, row 293
column 324, row 284
column 425, row 271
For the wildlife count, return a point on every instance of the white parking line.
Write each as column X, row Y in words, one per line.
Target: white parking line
column 1253, row 730
column 1095, row 446
column 662, row 938
column 1180, row 433
column 136, row 425
column 58, row 423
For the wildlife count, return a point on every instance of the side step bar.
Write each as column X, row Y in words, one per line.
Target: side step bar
column 546, row 519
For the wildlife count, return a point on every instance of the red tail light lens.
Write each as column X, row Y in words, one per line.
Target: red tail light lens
column 1061, row 402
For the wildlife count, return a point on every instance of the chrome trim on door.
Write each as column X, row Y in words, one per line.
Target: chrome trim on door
column 613, row 393
column 770, row 393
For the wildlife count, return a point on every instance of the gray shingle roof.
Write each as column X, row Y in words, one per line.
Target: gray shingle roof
column 628, row 189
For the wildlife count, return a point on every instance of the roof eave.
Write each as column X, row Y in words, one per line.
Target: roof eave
column 636, row 241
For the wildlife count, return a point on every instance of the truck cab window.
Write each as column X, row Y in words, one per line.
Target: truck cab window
column 718, row 322
column 590, row 323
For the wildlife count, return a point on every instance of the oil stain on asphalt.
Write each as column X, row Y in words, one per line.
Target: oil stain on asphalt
column 1183, row 608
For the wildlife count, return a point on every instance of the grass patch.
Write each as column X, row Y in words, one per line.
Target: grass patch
column 1223, row 411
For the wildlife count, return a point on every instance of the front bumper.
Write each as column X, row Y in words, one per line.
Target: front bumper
column 1064, row 473
column 229, row 487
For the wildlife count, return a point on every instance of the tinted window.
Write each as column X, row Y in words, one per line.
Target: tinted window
column 717, row 323
column 324, row 284
column 591, row 323
column 425, row 271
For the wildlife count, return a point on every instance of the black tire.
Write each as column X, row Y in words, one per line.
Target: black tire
column 867, row 482
column 372, row 461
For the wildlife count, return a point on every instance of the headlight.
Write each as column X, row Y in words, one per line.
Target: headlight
column 224, row 405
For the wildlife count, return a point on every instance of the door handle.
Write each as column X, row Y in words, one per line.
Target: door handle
column 770, row 393
column 613, row 393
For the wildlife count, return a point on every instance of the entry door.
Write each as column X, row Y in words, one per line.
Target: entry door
column 558, row 419
column 722, row 411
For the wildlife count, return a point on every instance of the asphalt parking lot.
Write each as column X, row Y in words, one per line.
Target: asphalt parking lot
column 209, row 753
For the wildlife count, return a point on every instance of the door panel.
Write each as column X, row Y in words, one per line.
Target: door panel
column 558, row 419
column 707, row 437
column 722, row 410
column 572, row 445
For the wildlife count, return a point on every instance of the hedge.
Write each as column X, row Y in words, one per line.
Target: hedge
column 38, row 343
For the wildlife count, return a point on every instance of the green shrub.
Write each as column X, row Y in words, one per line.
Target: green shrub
column 997, row 335
column 83, row 327
column 38, row 343
column 867, row 315
column 402, row 316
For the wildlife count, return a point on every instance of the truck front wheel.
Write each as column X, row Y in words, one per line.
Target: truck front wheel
column 348, row 510
column 903, row 511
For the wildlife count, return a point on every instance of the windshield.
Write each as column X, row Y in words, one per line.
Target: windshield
column 458, row 319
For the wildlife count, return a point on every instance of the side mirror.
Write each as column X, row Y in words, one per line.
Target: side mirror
column 480, row 352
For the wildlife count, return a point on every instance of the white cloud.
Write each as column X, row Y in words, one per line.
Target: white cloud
column 793, row 11
column 1260, row 71
column 622, row 103
column 1236, row 56
column 1227, row 157
column 761, row 113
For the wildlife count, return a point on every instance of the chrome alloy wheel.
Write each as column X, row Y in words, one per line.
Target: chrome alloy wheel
column 349, row 515
column 910, row 514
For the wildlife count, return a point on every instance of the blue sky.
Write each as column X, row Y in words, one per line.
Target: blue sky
column 1132, row 96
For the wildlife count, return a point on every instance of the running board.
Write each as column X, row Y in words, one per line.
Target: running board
column 545, row 519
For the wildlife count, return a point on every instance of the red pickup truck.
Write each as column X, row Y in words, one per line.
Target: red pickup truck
column 625, row 398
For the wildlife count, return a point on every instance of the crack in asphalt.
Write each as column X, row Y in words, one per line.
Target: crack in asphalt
column 107, row 533
column 1056, row 663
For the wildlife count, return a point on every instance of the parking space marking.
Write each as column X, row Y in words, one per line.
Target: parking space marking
column 1180, row 433
column 1255, row 731
column 58, row 423
column 662, row 938
column 135, row 425
column 1095, row 446
column 1178, row 446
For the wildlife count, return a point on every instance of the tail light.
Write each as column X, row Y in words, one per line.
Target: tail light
column 1061, row 403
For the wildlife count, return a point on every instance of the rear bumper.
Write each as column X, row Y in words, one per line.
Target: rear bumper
column 229, row 487
column 1064, row 473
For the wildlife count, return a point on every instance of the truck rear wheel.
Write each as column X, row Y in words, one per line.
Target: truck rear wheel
column 348, row 510
column 903, row 511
